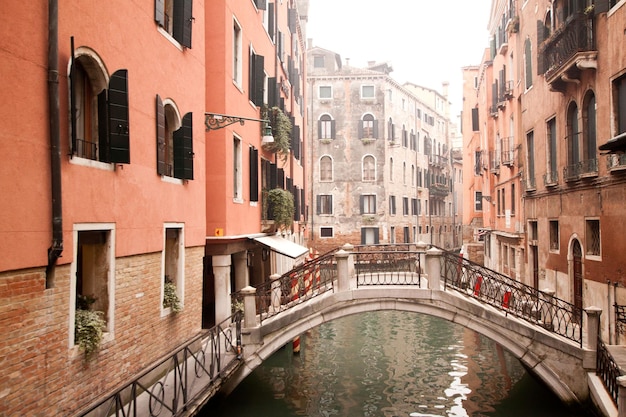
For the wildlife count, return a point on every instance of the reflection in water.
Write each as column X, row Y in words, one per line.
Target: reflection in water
column 390, row 363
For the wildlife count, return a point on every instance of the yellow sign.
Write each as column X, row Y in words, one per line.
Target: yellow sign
column 219, row 232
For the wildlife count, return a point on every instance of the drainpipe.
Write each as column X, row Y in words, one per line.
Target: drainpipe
column 55, row 250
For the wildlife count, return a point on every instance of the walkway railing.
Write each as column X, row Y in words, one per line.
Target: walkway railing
column 607, row 370
column 176, row 381
column 512, row 297
column 388, row 265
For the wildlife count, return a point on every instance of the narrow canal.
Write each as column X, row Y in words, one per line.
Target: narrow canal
column 391, row 364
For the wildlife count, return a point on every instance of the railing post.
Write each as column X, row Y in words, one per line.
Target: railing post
column 433, row 268
column 548, row 308
column 343, row 275
column 350, row 249
column 593, row 329
column 421, row 256
column 621, row 396
column 276, row 293
column 249, row 307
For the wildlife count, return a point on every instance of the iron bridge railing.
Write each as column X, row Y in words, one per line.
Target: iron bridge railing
column 169, row 386
column 512, row 297
column 388, row 265
column 607, row 370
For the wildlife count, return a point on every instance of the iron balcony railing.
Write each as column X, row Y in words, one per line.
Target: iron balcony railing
column 580, row 169
column 550, row 178
column 388, row 265
column 176, row 381
column 575, row 36
column 86, row 149
column 512, row 297
column 302, row 283
column 607, row 370
column 616, row 162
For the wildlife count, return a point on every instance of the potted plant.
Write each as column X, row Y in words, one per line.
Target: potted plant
column 281, row 131
column 281, row 206
column 170, row 296
column 89, row 325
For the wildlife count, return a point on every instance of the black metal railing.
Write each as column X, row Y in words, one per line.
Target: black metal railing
column 302, row 283
column 86, row 149
column 616, row 161
column 512, row 297
column 607, row 370
column 177, row 380
column 576, row 170
column 551, row 178
column 388, row 265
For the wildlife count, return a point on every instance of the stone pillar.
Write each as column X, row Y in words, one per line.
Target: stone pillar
column 593, row 327
column 433, row 268
column 242, row 279
column 276, row 294
column 249, row 307
column 548, row 310
column 221, row 271
column 621, row 396
column 350, row 249
column 343, row 275
column 421, row 248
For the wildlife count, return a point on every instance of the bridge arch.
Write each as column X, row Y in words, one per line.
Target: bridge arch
column 556, row 361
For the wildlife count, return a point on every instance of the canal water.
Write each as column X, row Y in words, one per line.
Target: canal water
column 391, row 364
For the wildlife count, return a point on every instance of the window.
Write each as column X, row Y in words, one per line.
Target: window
column 257, row 79
column 513, row 199
column 254, row 174
column 554, row 235
column 325, row 204
column 392, row 205
column 368, row 128
column 326, row 168
column 589, row 127
column 319, row 61
column 369, row 168
column 478, row 201
column 92, row 275
column 573, row 145
column 173, row 264
column 405, row 137
column 593, row 237
column 369, row 235
column 532, row 225
column 368, row 204
column 619, row 104
column 391, row 169
column 530, row 149
column 552, row 161
column 529, row 64
column 326, row 232
column 326, row 127
column 237, row 54
column 367, row 92
column 176, row 18
column 174, row 141
column 325, row 92
column 407, row 235
column 391, row 130
column 237, row 168
column 414, row 206
column 99, row 112
column 405, row 206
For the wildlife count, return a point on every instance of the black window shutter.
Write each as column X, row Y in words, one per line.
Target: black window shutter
column 272, row 100
column 363, row 233
column 332, row 129
column 296, row 203
column 475, row 123
column 261, row 4
column 280, row 178
column 183, row 18
column 160, row 137
column 621, row 105
column 273, row 176
column 254, row 174
column 118, row 118
column 361, row 204
column 103, row 128
column 259, row 76
column 292, row 19
column 601, row 6
column 295, row 143
column 72, row 98
column 183, row 149
column 375, row 129
column 159, row 12
column 319, row 129
column 302, row 203
column 270, row 21
column 360, row 129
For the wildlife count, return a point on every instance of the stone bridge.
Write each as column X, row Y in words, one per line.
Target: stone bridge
column 544, row 333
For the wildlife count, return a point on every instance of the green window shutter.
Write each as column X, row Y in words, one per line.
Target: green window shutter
column 475, row 123
column 160, row 137
column 103, row 125
column 72, row 98
column 254, row 174
column 119, row 139
column 183, row 19
column 273, row 176
column 183, row 149
column 261, row 4
column 271, row 21
column 272, row 92
column 257, row 75
column 159, row 12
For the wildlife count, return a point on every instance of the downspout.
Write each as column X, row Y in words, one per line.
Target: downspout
column 55, row 250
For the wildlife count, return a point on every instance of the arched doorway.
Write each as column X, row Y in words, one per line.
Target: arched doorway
column 577, row 273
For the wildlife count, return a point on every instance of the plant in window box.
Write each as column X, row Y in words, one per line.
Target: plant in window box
column 89, row 325
column 326, row 141
column 170, row 296
column 281, row 131
column 365, row 141
column 281, row 207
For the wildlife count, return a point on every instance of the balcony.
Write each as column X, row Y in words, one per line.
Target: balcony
column 551, row 179
column 616, row 162
column 494, row 159
column 493, row 111
column 567, row 52
column 437, row 160
column 439, row 189
column 508, row 151
column 529, row 184
column 582, row 169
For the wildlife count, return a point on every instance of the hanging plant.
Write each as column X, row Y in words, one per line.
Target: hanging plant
column 170, row 296
column 281, row 207
column 281, row 131
column 88, row 325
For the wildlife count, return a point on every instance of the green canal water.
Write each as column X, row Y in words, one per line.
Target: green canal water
column 391, row 364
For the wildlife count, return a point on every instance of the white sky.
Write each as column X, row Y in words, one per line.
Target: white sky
column 425, row 41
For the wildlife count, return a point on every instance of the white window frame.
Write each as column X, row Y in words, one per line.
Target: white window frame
column 237, row 54
column 323, row 88
column 237, row 169
column 367, row 96
column 180, row 266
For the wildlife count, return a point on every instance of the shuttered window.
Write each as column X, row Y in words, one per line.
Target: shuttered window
column 176, row 18
column 254, row 174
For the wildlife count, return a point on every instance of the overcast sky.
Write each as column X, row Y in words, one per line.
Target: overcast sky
column 426, row 41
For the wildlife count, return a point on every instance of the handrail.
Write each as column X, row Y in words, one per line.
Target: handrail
column 177, row 380
column 513, row 297
column 608, row 370
column 378, row 266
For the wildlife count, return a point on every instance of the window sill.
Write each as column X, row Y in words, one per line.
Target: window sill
column 105, row 166
column 171, row 180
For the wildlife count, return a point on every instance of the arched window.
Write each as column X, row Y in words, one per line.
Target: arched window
column 369, row 168
column 326, row 168
column 326, row 127
column 174, row 141
column 589, row 128
column 528, row 60
column 573, row 134
column 391, row 169
column 368, row 127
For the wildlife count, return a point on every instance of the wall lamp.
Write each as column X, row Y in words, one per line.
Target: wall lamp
column 215, row 121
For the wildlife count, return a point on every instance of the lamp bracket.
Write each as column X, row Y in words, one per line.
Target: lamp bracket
column 215, row 121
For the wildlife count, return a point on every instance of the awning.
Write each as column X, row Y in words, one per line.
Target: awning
column 282, row 245
column 616, row 144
